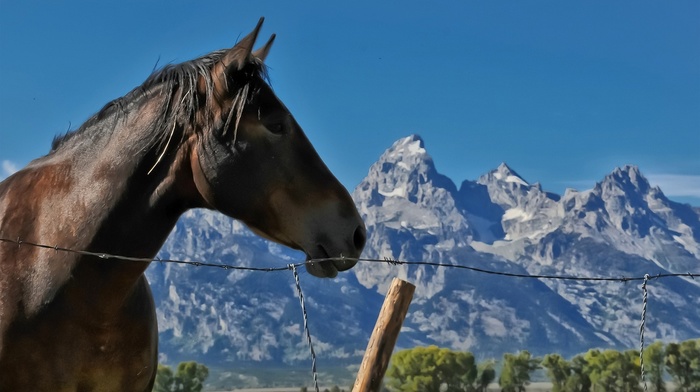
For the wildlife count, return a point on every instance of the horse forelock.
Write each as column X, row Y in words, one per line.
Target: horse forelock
column 185, row 89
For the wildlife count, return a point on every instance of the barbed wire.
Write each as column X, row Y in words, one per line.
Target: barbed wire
column 293, row 267
column 108, row 256
column 306, row 326
column 641, row 330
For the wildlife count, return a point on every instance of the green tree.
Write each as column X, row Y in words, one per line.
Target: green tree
column 578, row 380
column 558, row 371
column 654, row 362
column 458, row 370
column 486, row 375
column 612, row 370
column 629, row 371
column 165, row 379
column 683, row 364
column 189, row 377
column 427, row 369
column 515, row 374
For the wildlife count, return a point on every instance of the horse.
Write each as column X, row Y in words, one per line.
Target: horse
column 206, row 133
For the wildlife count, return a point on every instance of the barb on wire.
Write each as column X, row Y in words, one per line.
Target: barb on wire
column 306, row 325
column 392, row 261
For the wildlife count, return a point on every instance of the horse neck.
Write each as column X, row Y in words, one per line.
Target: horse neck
column 128, row 205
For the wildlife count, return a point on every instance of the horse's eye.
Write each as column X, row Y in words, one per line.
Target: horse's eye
column 276, row 128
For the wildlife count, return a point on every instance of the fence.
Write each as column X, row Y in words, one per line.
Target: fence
column 645, row 279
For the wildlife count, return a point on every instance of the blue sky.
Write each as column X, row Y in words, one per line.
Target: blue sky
column 563, row 92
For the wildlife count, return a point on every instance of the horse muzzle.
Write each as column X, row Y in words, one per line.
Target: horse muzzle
column 322, row 263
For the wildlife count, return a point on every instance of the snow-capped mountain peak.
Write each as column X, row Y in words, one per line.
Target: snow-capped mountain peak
column 405, row 171
column 404, row 195
column 410, row 145
column 504, row 173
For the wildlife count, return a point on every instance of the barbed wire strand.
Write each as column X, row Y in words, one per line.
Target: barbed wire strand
column 645, row 279
column 306, row 325
column 106, row 256
column 641, row 329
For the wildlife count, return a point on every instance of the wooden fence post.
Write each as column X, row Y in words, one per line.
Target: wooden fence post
column 386, row 331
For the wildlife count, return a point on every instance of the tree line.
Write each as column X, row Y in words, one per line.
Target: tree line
column 433, row 369
column 188, row 377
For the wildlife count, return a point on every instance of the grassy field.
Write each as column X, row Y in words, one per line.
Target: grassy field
column 270, row 379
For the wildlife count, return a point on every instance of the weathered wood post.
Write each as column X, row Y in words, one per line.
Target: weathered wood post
column 386, row 331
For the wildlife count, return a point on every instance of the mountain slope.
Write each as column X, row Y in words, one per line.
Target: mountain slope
column 622, row 227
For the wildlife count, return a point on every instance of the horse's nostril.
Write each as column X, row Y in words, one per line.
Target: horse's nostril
column 360, row 237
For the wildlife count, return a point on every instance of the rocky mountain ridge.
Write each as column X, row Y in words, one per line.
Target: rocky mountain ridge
column 622, row 227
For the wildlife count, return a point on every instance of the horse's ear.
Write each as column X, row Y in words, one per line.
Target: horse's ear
column 262, row 52
column 241, row 54
column 237, row 59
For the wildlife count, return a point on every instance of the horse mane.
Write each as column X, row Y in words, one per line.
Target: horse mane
column 180, row 84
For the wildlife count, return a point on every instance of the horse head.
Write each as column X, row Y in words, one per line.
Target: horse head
column 251, row 160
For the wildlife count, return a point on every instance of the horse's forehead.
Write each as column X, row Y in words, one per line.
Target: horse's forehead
column 265, row 97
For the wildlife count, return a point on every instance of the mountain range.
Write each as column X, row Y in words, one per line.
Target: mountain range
column 623, row 227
